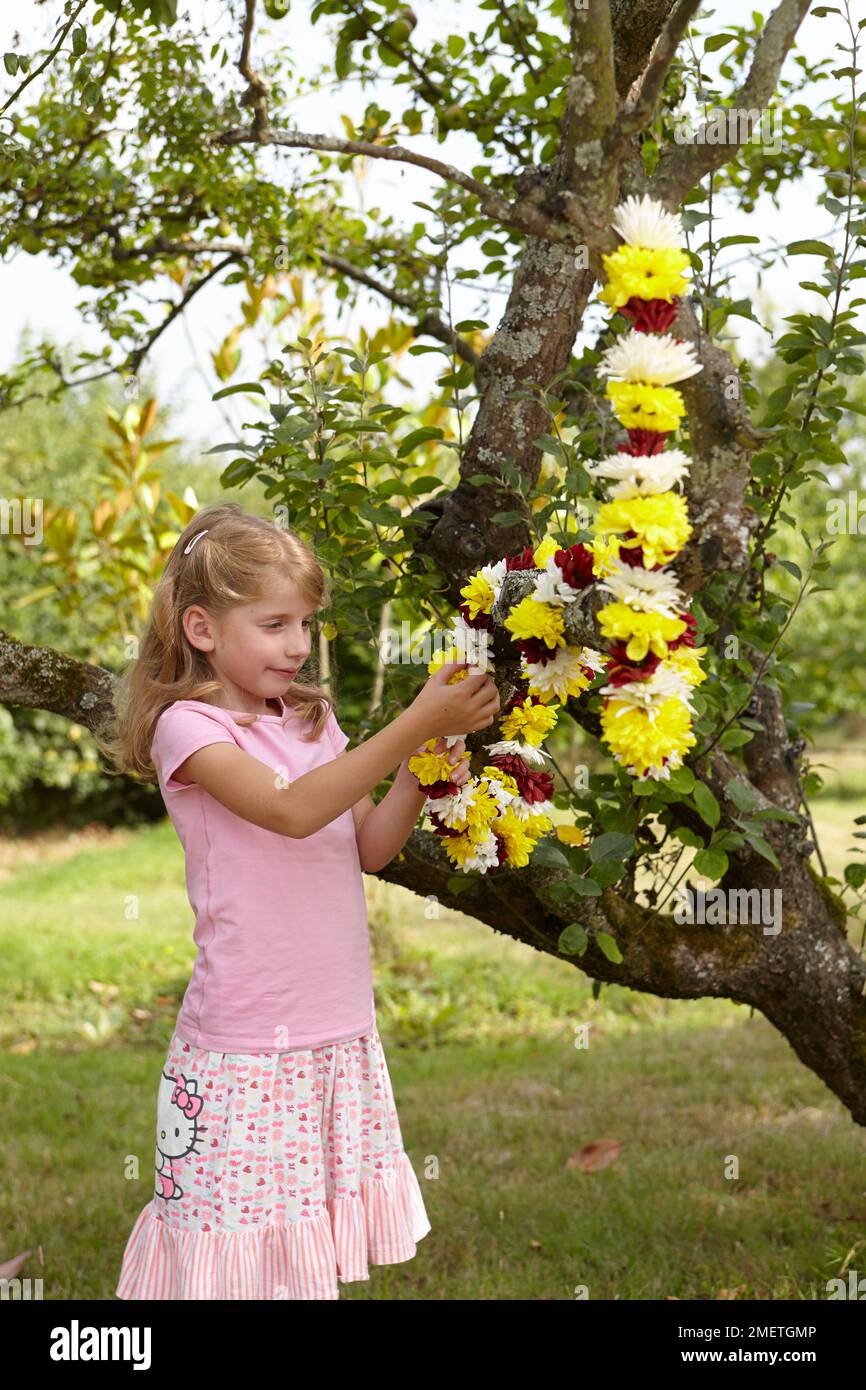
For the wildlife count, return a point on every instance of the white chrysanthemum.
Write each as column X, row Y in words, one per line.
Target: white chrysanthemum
column 524, row 810
column 552, row 587
column 486, row 856
column 473, row 643
column 494, row 574
column 656, row 358
column 451, row 809
column 500, row 793
column 646, row 591
column 651, row 693
column 644, row 222
column 641, row 475
column 527, row 751
column 552, row 677
column 593, row 659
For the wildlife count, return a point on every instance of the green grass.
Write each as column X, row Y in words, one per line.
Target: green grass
column 494, row 1098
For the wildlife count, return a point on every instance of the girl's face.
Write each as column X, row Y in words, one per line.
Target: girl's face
column 257, row 648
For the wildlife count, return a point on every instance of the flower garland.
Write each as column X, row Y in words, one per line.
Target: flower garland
column 497, row 817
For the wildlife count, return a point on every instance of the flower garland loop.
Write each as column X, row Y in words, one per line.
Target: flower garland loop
column 651, row 662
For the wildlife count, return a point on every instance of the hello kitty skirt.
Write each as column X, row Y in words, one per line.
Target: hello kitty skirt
column 276, row 1175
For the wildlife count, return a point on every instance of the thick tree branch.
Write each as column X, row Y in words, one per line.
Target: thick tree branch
column 681, row 167
column 258, row 90
column 641, row 111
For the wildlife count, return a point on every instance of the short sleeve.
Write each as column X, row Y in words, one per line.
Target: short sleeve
column 180, row 731
column 338, row 739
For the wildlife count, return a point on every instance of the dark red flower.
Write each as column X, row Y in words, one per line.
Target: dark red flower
column 650, row 315
column 687, row 638
column 536, row 651
column 533, row 786
column 524, row 561
column 482, row 621
column 437, row 790
column 622, row 669
column 576, row 565
column 644, row 443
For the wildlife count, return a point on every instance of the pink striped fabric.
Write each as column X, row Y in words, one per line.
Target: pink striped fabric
column 277, row 1175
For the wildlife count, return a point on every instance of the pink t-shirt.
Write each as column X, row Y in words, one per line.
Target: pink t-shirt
column 281, row 924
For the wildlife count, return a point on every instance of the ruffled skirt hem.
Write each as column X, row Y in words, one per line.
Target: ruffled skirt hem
column 298, row 1260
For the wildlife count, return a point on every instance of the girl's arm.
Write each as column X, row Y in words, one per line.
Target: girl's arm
column 248, row 787
column 382, row 830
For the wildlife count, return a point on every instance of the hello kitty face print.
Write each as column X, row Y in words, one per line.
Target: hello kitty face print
column 177, row 1129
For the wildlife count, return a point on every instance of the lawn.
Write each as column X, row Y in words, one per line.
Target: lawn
column 493, row 1095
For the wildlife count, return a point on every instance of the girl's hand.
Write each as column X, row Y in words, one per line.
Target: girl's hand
column 458, row 756
column 469, row 704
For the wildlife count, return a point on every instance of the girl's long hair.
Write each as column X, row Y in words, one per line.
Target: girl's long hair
column 231, row 565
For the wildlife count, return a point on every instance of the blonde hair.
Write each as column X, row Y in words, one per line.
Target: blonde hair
column 228, row 566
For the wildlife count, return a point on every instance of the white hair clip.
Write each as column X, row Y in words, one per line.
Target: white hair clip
column 189, row 545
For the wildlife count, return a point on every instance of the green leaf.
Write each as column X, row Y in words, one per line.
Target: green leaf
column 585, row 887
column 458, row 883
column 242, row 386
column 736, row 241
column 613, row 845
column 687, row 836
column 682, row 779
column 707, row 807
column 735, row 738
column 760, row 844
column 79, row 40
column 810, row 248
column 607, row 871
column 573, row 940
column 855, row 875
column 608, row 946
column 10, row 63
column 418, row 437
column 546, row 852
column 239, row 471
column 715, row 41
column 744, row 797
column 712, row 862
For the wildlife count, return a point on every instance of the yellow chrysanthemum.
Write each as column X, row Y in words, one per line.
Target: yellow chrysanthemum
column 542, row 553
column 529, row 618
column 476, row 823
column 431, row 767
column 660, row 523
column 571, row 834
column 641, row 272
column 605, row 550
column 687, row 660
column 458, row 848
column 639, row 406
column 641, row 743
column 443, row 658
column 642, row 632
column 537, row 825
column 478, row 593
column 519, row 844
column 529, row 722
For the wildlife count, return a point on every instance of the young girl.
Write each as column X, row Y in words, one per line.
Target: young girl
column 279, row 1164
